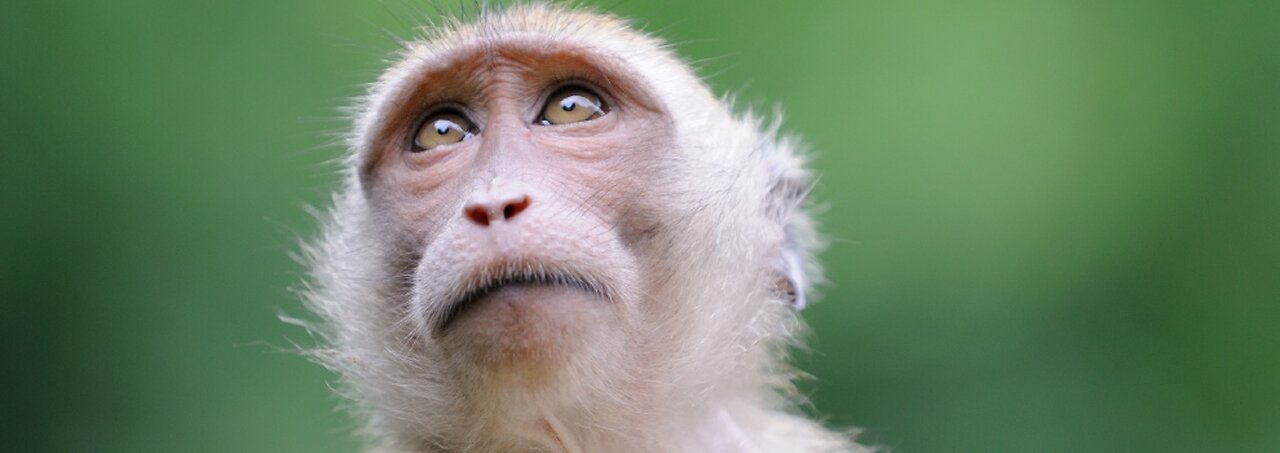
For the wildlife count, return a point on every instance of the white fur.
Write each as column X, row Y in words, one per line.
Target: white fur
column 712, row 374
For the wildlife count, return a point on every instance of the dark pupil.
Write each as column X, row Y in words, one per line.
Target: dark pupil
column 442, row 128
column 568, row 105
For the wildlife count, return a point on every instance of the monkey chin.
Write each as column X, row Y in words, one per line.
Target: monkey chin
column 529, row 332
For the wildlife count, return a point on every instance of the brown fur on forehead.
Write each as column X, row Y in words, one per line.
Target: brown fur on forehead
column 455, row 63
column 536, row 18
column 468, row 75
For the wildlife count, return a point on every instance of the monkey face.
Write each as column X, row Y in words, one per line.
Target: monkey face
column 554, row 237
column 521, row 181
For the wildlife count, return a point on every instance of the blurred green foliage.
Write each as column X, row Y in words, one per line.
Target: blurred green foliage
column 1055, row 225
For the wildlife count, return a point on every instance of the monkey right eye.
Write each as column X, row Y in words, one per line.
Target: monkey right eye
column 441, row 129
column 572, row 104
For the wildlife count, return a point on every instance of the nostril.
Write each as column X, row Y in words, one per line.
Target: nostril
column 515, row 207
column 477, row 214
column 486, row 212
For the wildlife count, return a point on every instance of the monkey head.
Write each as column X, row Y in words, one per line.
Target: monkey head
column 553, row 236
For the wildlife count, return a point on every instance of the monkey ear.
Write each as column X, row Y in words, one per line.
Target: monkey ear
column 787, row 203
column 790, row 283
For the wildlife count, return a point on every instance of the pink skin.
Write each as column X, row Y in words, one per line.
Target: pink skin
column 570, row 197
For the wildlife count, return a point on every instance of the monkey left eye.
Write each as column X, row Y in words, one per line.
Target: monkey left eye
column 572, row 105
column 442, row 129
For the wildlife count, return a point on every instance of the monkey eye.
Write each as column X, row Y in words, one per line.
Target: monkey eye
column 572, row 104
column 442, row 129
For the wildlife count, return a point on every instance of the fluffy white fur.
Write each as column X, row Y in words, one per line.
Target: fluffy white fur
column 713, row 375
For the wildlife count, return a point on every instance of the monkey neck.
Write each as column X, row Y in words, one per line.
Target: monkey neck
column 726, row 420
column 662, row 423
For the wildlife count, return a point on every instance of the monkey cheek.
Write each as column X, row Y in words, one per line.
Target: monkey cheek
column 529, row 331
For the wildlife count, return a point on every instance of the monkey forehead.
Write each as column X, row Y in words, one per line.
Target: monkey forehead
column 606, row 42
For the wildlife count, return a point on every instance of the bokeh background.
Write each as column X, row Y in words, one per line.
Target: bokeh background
column 1055, row 224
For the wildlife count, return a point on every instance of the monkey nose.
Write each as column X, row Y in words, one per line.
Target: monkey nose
column 491, row 210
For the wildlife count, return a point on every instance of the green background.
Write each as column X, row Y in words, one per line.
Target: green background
column 1055, row 225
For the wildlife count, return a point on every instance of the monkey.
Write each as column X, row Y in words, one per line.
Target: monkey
column 551, row 236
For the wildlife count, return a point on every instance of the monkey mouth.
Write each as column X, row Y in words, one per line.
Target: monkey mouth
column 495, row 278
